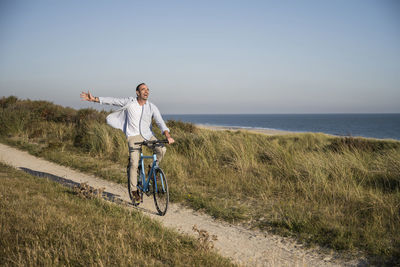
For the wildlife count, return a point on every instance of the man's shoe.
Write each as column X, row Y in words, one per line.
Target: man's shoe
column 136, row 198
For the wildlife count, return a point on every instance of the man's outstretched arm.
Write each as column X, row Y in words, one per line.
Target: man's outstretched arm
column 89, row 97
column 105, row 100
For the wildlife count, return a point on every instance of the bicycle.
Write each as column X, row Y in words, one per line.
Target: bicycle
column 155, row 183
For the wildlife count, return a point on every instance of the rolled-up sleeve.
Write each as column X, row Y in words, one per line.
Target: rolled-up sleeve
column 114, row 101
column 159, row 120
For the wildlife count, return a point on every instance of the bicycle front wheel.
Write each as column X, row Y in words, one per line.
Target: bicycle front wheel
column 160, row 191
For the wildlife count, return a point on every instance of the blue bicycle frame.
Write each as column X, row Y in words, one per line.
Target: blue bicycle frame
column 144, row 181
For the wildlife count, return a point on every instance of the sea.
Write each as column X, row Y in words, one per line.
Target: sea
column 382, row 126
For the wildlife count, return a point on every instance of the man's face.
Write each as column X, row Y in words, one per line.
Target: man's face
column 143, row 92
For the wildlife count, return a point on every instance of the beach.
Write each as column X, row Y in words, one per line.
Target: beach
column 252, row 130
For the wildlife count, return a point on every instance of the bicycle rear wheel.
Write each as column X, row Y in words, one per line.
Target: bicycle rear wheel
column 139, row 178
column 160, row 191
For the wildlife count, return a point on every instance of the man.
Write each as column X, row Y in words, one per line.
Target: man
column 134, row 119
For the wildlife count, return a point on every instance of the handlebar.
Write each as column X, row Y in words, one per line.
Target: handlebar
column 152, row 143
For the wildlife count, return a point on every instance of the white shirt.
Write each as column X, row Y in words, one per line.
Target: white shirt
column 134, row 113
column 132, row 118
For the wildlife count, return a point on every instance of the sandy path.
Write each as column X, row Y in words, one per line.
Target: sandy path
column 243, row 246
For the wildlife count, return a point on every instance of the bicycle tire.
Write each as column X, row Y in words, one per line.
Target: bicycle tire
column 161, row 195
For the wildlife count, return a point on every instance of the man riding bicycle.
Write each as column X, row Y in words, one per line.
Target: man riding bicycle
column 134, row 119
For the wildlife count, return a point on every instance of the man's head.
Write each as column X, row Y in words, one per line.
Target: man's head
column 142, row 91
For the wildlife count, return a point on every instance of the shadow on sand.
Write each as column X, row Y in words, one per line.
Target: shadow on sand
column 71, row 184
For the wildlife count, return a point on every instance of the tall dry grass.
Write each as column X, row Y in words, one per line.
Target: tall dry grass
column 46, row 224
column 343, row 193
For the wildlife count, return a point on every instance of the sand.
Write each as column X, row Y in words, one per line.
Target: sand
column 252, row 130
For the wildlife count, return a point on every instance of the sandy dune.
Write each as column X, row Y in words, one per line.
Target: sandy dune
column 243, row 246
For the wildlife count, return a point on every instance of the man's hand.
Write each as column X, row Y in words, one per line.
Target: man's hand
column 169, row 138
column 89, row 97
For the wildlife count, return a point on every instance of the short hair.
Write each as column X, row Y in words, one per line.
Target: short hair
column 137, row 87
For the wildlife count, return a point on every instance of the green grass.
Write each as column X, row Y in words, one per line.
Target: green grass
column 45, row 224
column 339, row 192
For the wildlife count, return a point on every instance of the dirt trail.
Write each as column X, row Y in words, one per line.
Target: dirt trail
column 243, row 246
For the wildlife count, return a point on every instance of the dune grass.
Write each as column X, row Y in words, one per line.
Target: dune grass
column 339, row 192
column 45, row 224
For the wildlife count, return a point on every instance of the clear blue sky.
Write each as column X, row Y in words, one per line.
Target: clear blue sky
column 206, row 56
